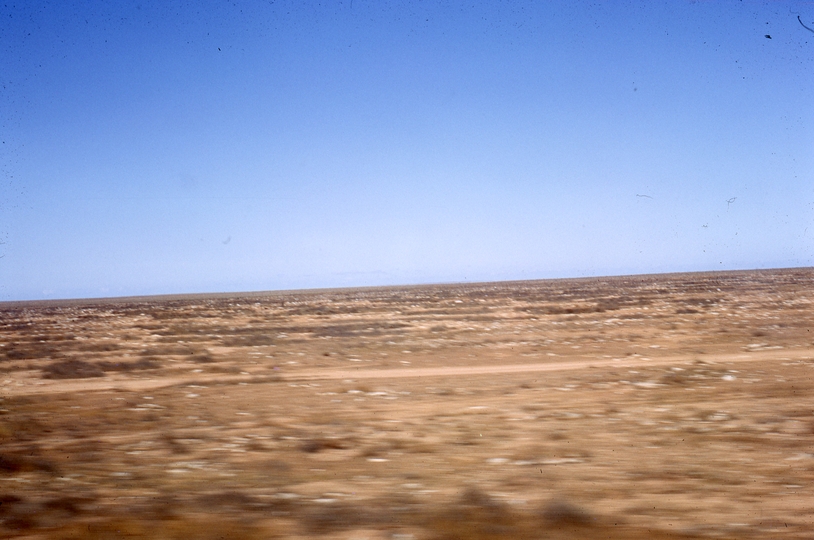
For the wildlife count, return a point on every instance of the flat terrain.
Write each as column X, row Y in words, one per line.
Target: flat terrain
column 672, row 406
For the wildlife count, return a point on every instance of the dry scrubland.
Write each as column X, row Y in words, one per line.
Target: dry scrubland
column 676, row 406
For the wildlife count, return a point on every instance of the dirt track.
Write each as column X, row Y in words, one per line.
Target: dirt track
column 85, row 385
column 642, row 407
column 504, row 369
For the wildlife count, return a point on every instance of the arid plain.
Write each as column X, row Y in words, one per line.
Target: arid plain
column 670, row 406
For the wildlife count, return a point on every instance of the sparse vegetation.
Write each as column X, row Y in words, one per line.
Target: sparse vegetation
column 71, row 369
column 646, row 407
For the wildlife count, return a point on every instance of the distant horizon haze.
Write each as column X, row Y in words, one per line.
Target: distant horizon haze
column 367, row 288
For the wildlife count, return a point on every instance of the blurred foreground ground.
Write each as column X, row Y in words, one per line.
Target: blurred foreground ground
column 675, row 406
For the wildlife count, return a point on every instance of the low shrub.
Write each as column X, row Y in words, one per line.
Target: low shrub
column 71, row 369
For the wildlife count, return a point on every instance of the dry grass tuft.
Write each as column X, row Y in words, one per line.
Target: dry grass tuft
column 476, row 516
column 71, row 369
column 561, row 513
column 312, row 446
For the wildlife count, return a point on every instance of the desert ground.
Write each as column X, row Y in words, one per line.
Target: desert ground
column 667, row 406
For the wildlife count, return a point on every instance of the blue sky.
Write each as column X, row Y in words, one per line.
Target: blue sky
column 171, row 147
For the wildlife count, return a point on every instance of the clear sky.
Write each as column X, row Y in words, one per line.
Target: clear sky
column 156, row 147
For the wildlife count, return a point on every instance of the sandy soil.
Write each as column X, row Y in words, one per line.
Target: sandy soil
column 674, row 406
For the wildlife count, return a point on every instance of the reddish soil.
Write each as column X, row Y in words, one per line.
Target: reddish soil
column 671, row 406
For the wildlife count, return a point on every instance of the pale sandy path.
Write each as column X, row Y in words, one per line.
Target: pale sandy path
column 38, row 386
column 538, row 367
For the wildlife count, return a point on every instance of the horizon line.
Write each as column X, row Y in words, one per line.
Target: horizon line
column 323, row 290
